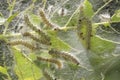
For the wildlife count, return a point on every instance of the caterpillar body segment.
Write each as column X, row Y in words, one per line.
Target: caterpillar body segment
column 21, row 42
column 65, row 55
column 55, row 61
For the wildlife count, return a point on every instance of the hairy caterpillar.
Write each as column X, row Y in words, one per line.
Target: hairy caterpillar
column 35, row 38
column 45, row 39
column 48, row 75
column 64, row 55
column 84, row 23
column 46, row 21
column 88, row 33
column 21, row 42
column 55, row 61
column 31, row 26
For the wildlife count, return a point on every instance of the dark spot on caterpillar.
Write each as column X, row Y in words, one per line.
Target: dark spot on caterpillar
column 91, row 35
column 81, row 35
column 80, row 20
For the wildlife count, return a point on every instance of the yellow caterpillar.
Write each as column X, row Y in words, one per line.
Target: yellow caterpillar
column 64, row 55
column 84, row 28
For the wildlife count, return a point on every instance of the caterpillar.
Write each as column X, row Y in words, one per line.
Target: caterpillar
column 65, row 55
column 44, row 37
column 55, row 61
column 47, row 75
column 31, row 26
column 88, row 33
column 46, row 21
column 36, row 39
column 31, row 36
column 84, row 23
column 21, row 42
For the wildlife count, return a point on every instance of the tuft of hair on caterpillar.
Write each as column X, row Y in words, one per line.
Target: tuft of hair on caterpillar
column 51, row 60
column 65, row 55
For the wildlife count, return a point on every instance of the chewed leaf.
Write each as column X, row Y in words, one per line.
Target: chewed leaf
column 116, row 16
column 88, row 9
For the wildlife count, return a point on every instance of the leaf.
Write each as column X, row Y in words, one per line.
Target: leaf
column 3, row 70
column 87, row 36
column 35, row 20
column 24, row 68
column 59, row 44
column 99, row 46
column 116, row 16
column 12, row 17
column 88, row 10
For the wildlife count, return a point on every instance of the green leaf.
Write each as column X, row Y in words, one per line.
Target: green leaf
column 88, row 9
column 3, row 70
column 101, row 46
column 35, row 19
column 12, row 17
column 59, row 44
column 24, row 68
column 116, row 16
column 87, row 36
